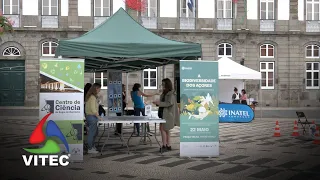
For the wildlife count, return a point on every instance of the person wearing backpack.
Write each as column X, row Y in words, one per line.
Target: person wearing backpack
column 236, row 96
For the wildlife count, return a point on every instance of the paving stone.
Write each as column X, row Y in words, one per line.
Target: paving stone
column 235, row 169
column 153, row 160
column 205, row 166
column 265, row 173
column 234, row 158
column 261, row 161
column 127, row 176
column 290, row 164
column 129, row 158
column 100, row 172
column 177, row 163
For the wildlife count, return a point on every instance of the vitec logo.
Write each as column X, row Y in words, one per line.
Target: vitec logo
column 50, row 149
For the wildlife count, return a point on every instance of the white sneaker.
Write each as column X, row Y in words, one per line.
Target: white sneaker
column 92, row 151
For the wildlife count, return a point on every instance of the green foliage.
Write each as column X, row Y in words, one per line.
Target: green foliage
column 197, row 98
column 5, row 24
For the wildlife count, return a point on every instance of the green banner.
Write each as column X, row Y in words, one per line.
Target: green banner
column 70, row 72
column 199, row 118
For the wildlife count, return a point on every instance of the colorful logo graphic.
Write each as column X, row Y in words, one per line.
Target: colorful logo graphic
column 38, row 137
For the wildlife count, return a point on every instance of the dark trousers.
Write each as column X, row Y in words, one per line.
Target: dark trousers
column 118, row 125
column 236, row 102
column 137, row 112
column 244, row 102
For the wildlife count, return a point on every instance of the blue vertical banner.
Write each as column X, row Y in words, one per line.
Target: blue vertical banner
column 199, row 113
column 114, row 92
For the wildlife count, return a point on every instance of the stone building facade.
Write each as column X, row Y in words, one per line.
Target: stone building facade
column 284, row 46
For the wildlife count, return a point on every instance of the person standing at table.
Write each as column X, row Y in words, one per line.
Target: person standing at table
column 92, row 116
column 124, row 105
column 138, row 104
column 168, row 110
column 236, row 96
column 244, row 97
column 85, row 91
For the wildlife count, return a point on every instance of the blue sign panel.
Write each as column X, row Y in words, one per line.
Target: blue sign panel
column 235, row 113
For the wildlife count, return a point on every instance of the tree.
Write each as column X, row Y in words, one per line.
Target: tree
column 5, row 24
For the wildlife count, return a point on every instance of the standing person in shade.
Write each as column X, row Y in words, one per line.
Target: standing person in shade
column 168, row 110
column 244, row 97
column 138, row 104
column 124, row 105
column 85, row 91
column 92, row 116
column 236, row 96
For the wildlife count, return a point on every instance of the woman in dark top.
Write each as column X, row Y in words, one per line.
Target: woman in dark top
column 236, row 96
column 124, row 105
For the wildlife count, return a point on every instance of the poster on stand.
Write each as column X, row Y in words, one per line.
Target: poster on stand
column 199, row 114
column 114, row 92
column 61, row 98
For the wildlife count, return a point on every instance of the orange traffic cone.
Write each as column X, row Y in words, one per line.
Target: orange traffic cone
column 295, row 129
column 277, row 130
column 317, row 137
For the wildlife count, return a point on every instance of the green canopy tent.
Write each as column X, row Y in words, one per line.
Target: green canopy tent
column 120, row 43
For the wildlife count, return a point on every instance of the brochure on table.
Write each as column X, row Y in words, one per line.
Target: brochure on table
column 199, row 118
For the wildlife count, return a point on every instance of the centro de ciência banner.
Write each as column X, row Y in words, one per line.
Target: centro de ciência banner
column 61, row 95
column 199, row 113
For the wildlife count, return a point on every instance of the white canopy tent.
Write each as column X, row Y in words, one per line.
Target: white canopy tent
column 229, row 69
column 233, row 74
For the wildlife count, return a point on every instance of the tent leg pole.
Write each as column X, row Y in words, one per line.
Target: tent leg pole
column 142, row 89
column 127, row 88
column 260, row 102
column 163, row 72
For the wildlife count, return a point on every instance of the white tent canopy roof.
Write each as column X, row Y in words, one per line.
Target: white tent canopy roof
column 229, row 69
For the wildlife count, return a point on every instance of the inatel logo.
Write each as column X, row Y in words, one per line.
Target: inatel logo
column 186, row 68
column 50, row 149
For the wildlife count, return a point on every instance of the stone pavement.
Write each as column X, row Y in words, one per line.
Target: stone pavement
column 248, row 151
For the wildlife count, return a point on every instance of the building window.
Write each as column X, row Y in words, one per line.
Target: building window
column 267, row 51
column 224, row 50
column 49, row 48
column 267, row 9
column 150, row 9
column 101, row 8
column 312, row 9
column 224, row 9
column 312, row 51
column 101, row 78
column 11, row 51
column 187, row 8
column 150, row 78
column 10, row 6
column 312, row 75
column 50, row 7
column 267, row 75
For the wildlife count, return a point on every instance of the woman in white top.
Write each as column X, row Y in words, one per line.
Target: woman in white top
column 236, row 96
